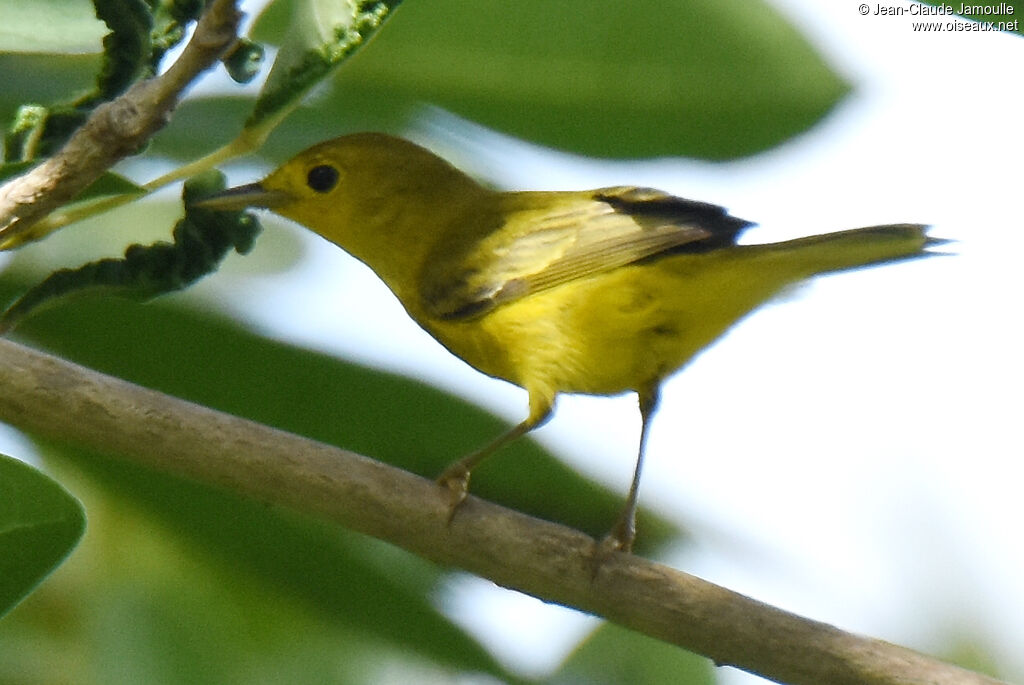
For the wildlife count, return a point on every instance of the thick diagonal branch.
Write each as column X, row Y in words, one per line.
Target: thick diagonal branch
column 113, row 131
column 50, row 397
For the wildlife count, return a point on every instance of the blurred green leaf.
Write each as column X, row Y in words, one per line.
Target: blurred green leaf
column 709, row 78
column 14, row 169
column 44, row 79
column 969, row 649
column 612, row 655
column 706, row 78
column 40, row 523
column 1010, row 19
column 50, row 26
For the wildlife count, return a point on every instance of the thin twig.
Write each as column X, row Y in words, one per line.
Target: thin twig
column 113, row 131
column 51, row 397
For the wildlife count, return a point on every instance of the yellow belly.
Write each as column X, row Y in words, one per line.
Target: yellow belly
column 617, row 331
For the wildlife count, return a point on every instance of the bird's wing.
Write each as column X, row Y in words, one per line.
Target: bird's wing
column 568, row 236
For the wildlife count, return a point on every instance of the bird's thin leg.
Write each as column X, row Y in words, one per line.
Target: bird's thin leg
column 455, row 478
column 620, row 537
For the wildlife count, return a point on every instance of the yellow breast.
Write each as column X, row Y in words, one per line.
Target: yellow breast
column 614, row 331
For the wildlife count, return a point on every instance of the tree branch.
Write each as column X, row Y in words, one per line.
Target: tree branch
column 113, row 131
column 54, row 398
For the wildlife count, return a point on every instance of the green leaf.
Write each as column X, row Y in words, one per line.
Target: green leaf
column 43, row 79
column 706, row 78
column 50, row 26
column 613, row 655
column 126, row 49
column 992, row 16
column 323, row 34
column 40, row 523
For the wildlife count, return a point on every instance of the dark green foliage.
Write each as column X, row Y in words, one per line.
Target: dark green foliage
column 126, row 48
column 40, row 523
column 612, row 655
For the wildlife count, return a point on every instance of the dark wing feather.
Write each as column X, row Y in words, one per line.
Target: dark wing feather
column 572, row 236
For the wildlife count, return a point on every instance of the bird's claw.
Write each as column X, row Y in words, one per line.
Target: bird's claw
column 455, row 482
column 619, row 539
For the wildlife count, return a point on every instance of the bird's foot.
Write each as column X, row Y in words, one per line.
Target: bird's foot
column 455, row 482
column 619, row 539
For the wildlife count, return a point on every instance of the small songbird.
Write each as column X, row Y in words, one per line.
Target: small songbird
column 597, row 291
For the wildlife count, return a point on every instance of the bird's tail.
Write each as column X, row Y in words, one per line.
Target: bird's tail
column 855, row 248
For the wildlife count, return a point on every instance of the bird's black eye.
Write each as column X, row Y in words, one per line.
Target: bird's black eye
column 322, row 178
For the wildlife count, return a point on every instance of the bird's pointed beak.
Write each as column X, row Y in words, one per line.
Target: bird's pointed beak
column 243, row 197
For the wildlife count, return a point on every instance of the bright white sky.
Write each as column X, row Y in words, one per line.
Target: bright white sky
column 852, row 454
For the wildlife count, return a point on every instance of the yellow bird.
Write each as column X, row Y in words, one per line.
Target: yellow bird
column 598, row 292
